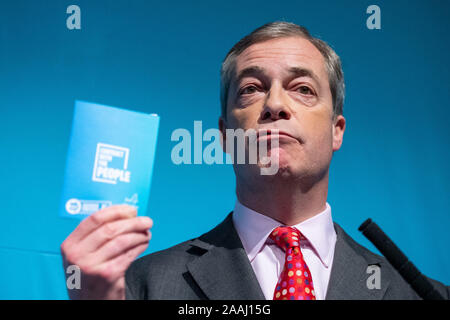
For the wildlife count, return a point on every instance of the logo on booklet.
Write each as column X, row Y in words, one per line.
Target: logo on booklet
column 73, row 206
column 132, row 200
column 77, row 206
column 111, row 164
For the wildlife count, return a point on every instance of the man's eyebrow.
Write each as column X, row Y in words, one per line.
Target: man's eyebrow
column 298, row 72
column 250, row 71
column 295, row 72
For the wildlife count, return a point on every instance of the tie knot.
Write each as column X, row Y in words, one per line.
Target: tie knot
column 286, row 237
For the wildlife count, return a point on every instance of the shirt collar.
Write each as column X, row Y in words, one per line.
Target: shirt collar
column 254, row 229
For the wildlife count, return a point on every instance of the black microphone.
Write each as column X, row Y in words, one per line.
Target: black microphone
column 399, row 261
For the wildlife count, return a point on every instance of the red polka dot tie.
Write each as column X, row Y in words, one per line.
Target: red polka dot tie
column 295, row 282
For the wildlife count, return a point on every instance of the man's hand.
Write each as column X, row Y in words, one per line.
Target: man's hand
column 103, row 246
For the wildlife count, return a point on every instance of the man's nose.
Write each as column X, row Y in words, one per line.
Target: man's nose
column 276, row 106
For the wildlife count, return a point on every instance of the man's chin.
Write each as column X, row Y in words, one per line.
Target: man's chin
column 278, row 164
column 276, row 168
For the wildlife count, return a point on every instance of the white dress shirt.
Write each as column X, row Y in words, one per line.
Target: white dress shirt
column 267, row 259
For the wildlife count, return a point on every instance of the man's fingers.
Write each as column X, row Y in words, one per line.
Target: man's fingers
column 116, row 247
column 99, row 218
column 111, row 230
column 115, row 269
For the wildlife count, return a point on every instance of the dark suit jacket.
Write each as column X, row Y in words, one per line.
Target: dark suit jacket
column 216, row 266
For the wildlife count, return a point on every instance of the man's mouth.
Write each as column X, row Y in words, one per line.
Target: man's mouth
column 274, row 133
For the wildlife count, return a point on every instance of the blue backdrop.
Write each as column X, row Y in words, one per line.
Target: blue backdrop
column 164, row 58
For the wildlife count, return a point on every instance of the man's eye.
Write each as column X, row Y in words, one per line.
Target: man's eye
column 247, row 90
column 305, row 90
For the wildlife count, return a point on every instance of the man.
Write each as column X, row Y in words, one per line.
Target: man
column 280, row 241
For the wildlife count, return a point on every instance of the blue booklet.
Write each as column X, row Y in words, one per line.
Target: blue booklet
column 109, row 161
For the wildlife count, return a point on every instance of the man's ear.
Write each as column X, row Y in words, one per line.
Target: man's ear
column 338, row 132
column 222, row 128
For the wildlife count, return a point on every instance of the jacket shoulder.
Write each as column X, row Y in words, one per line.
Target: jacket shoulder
column 145, row 274
column 398, row 287
column 164, row 275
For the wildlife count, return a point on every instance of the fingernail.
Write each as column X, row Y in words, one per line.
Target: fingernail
column 147, row 221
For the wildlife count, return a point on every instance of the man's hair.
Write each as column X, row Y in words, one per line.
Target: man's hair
column 279, row 29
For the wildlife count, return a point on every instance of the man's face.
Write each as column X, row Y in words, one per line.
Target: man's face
column 283, row 84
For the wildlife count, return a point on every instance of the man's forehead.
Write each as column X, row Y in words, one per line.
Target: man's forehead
column 285, row 52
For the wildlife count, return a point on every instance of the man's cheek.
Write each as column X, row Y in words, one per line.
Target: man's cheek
column 239, row 121
column 318, row 127
column 319, row 142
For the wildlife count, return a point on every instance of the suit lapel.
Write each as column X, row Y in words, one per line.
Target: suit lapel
column 224, row 271
column 348, row 279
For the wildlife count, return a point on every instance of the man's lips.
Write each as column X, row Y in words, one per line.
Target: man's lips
column 272, row 133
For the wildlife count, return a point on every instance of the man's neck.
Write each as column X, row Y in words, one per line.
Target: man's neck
column 287, row 202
